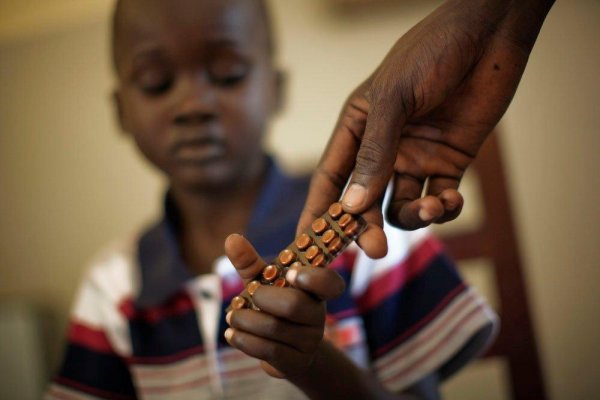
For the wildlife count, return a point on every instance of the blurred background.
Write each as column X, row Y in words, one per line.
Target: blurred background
column 70, row 181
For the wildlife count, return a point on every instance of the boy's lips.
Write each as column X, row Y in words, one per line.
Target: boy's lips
column 198, row 150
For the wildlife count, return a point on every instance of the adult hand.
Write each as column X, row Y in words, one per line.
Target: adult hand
column 287, row 334
column 421, row 117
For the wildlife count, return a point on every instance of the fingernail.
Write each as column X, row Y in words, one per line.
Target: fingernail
column 424, row 215
column 291, row 275
column 228, row 317
column 355, row 196
column 228, row 334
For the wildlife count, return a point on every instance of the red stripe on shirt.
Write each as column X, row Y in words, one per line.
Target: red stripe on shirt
column 389, row 283
column 231, row 286
column 419, row 325
column 351, row 312
column 93, row 339
column 434, row 350
column 463, row 303
column 177, row 305
column 346, row 336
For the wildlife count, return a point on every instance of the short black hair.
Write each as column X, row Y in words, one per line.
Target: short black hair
column 263, row 11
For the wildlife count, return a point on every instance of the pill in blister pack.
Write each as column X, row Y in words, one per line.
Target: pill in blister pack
column 327, row 237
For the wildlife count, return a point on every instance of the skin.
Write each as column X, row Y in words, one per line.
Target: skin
column 421, row 117
column 196, row 88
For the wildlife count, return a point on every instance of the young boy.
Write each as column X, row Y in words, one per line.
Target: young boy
column 196, row 88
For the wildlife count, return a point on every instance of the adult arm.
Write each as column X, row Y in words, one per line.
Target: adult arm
column 421, row 117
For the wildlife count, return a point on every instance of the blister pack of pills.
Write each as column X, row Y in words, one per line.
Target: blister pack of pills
column 327, row 237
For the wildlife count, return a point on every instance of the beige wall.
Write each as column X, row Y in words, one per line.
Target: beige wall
column 69, row 182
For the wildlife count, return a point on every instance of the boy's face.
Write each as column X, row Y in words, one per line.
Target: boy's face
column 196, row 87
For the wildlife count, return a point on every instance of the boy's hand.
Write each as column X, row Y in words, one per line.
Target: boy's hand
column 421, row 117
column 287, row 333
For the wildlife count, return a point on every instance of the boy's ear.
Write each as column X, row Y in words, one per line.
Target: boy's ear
column 280, row 90
column 119, row 111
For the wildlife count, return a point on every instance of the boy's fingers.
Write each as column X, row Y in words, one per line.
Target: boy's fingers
column 283, row 358
column 323, row 283
column 243, row 256
column 291, row 304
column 271, row 370
column 301, row 337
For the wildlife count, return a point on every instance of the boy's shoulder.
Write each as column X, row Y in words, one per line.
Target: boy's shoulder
column 112, row 272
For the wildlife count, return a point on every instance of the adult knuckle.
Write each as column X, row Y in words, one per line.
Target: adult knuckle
column 404, row 218
column 400, row 88
column 368, row 159
column 337, row 179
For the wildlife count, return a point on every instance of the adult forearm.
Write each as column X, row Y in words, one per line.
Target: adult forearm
column 524, row 21
column 518, row 20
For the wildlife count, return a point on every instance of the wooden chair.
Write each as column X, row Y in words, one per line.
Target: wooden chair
column 495, row 239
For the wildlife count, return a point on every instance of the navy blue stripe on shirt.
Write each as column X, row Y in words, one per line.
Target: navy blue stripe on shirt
column 170, row 336
column 85, row 370
column 413, row 303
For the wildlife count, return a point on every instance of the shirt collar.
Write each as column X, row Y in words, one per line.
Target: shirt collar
column 271, row 228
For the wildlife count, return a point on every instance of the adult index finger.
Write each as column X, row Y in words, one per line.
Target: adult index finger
column 335, row 166
column 377, row 153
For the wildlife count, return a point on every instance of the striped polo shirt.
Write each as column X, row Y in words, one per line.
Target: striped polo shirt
column 144, row 327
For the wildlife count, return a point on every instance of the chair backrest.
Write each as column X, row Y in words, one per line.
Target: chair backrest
column 495, row 239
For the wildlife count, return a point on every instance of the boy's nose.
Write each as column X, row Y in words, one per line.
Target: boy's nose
column 198, row 103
